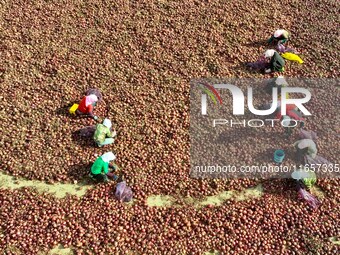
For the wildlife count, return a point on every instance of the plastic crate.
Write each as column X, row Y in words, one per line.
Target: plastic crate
column 73, row 108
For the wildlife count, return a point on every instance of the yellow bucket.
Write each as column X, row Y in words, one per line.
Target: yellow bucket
column 73, row 108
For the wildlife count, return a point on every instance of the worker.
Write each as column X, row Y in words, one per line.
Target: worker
column 288, row 125
column 280, row 36
column 86, row 106
column 100, row 168
column 103, row 134
column 305, row 147
column 276, row 62
column 306, row 177
column 278, row 82
column 291, row 111
column 293, row 115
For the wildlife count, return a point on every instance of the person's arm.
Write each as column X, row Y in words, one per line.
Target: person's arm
column 278, row 114
column 269, row 67
column 270, row 40
column 312, row 150
column 106, row 167
column 112, row 166
column 111, row 134
column 294, row 115
column 90, row 109
column 296, row 143
column 108, row 134
column 114, row 133
column 300, row 185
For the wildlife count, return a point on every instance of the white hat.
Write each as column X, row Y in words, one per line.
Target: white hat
column 108, row 156
column 278, row 33
column 280, row 80
column 90, row 99
column 107, row 123
column 300, row 174
column 269, row 53
column 286, row 121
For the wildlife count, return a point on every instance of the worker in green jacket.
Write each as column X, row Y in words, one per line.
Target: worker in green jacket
column 100, row 168
column 276, row 62
column 103, row 134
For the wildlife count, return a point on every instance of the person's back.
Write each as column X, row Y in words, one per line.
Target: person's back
column 277, row 62
column 86, row 106
column 309, row 144
column 82, row 105
column 101, row 133
column 99, row 166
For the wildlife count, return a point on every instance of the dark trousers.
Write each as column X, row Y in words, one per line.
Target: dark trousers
column 288, row 131
column 300, row 154
column 99, row 177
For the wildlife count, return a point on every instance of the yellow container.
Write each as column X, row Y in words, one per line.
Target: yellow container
column 292, row 57
column 73, row 108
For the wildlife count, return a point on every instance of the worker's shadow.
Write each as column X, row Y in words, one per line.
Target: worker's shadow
column 266, row 159
column 83, row 141
column 64, row 110
column 282, row 187
column 265, row 155
column 79, row 172
column 243, row 67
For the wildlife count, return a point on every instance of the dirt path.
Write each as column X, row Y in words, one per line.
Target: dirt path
column 59, row 190
column 217, row 200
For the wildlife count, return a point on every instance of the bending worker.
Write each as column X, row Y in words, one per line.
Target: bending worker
column 305, row 147
column 103, row 134
column 100, row 168
column 291, row 111
column 276, row 62
column 87, row 105
column 292, row 115
column 280, row 36
column 279, row 83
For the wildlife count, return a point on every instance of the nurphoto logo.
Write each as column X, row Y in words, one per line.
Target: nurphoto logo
column 238, row 99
